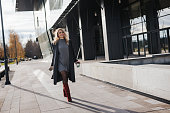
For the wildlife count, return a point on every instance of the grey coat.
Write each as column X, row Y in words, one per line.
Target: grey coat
column 72, row 58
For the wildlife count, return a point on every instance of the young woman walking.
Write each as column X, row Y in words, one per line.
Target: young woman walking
column 63, row 61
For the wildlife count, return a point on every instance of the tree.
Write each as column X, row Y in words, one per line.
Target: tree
column 37, row 49
column 7, row 50
column 15, row 47
column 1, row 51
column 29, row 49
column 32, row 49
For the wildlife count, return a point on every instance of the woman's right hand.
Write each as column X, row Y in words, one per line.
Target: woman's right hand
column 51, row 68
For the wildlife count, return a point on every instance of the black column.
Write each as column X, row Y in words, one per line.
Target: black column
column 152, row 27
column 168, row 36
column 88, row 30
column 73, row 29
column 125, row 24
column 113, row 25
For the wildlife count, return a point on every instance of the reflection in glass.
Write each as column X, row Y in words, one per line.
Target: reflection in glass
column 138, row 25
column 135, row 45
column 44, row 44
column 55, row 4
column 146, row 44
column 164, row 41
column 141, row 44
column 164, row 17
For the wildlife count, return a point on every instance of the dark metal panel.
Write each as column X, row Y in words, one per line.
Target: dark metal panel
column 133, row 6
column 168, row 40
column 113, row 23
column 29, row 5
column 125, row 21
column 73, row 28
column 88, row 30
column 24, row 5
column 152, row 25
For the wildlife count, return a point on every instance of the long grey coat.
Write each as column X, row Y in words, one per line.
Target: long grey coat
column 72, row 58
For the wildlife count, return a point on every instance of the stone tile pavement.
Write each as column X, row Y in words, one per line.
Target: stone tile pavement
column 32, row 91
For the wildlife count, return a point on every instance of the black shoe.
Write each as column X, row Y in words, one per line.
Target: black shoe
column 52, row 77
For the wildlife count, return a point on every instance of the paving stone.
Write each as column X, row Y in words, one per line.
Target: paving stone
column 130, row 98
column 151, row 101
column 27, row 106
column 5, row 112
column 55, row 111
column 157, row 108
column 31, row 111
column 15, row 104
column 6, row 105
column 14, row 110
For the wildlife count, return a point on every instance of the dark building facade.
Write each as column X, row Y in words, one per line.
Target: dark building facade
column 111, row 29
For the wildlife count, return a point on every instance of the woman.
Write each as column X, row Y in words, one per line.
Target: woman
column 63, row 61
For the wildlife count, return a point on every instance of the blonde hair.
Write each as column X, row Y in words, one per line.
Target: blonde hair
column 56, row 37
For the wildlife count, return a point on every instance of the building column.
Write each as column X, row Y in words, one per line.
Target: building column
column 111, row 29
column 104, row 30
column 81, row 33
column 168, row 36
column 87, row 33
column 152, row 27
column 125, row 30
column 73, row 29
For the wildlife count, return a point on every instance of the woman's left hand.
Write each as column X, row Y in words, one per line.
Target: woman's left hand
column 77, row 62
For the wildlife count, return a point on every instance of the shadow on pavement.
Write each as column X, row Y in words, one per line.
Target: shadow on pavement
column 81, row 105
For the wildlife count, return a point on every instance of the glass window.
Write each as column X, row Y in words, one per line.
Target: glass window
column 135, row 45
column 164, row 41
column 164, row 17
column 138, row 25
column 146, row 44
column 55, row 4
column 141, row 44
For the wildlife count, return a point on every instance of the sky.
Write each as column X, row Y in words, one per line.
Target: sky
column 20, row 22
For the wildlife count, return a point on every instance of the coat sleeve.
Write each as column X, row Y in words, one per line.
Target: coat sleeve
column 72, row 50
column 52, row 62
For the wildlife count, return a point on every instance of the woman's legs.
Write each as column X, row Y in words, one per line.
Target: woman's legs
column 64, row 76
column 66, row 89
column 65, row 80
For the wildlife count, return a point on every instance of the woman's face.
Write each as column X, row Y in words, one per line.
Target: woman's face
column 61, row 34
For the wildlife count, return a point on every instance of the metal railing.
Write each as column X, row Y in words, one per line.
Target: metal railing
column 140, row 40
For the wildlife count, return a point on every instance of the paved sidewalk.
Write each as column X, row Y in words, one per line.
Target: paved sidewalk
column 32, row 91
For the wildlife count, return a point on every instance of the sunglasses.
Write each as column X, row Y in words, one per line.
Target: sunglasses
column 60, row 32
